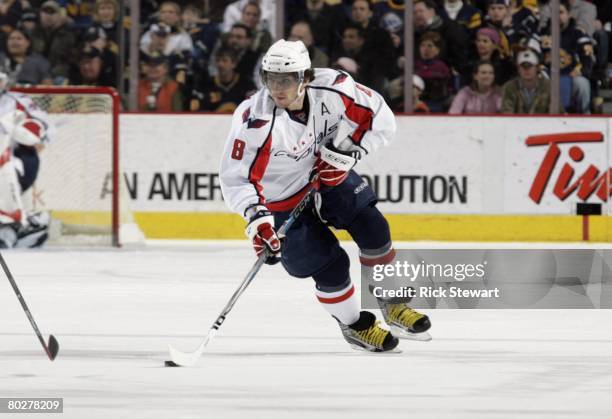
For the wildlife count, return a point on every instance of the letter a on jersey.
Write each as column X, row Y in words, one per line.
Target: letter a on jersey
column 324, row 109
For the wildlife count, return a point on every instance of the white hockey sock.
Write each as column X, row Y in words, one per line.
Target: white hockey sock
column 342, row 304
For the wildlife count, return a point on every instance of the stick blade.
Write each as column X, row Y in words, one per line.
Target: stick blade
column 52, row 347
column 184, row 359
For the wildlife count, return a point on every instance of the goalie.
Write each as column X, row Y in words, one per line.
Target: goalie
column 23, row 129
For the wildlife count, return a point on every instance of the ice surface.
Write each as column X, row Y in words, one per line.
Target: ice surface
column 278, row 355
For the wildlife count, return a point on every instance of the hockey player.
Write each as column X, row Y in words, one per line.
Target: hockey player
column 23, row 127
column 320, row 121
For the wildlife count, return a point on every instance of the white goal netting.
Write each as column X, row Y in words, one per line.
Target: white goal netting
column 76, row 182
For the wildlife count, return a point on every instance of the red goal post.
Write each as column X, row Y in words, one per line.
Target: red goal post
column 77, row 110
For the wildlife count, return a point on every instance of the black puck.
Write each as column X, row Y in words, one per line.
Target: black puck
column 170, row 364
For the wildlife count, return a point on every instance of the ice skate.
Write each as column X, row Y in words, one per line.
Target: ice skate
column 366, row 335
column 405, row 322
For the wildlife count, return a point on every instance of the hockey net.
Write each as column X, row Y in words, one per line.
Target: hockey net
column 79, row 178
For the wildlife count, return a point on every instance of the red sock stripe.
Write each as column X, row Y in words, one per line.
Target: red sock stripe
column 338, row 299
column 381, row 260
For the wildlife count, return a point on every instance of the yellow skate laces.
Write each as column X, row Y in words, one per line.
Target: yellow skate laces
column 373, row 335
column 404, row 315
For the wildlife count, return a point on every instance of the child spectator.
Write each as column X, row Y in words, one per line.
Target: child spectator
column 106, row 15
column 482, row 96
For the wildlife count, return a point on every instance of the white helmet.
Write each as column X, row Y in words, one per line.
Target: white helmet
column 286, row 57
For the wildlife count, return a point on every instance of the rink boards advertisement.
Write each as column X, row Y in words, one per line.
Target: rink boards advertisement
column 443, row 178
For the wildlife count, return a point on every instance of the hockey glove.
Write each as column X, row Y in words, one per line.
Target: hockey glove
column 262, row 234
column 334, row 165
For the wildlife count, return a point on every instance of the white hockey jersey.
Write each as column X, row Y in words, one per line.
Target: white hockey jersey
column 11, row 206
column 9, row 102
column 268, row 155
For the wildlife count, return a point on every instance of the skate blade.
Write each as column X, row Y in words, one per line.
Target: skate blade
column 358, row 348
column 404, row 334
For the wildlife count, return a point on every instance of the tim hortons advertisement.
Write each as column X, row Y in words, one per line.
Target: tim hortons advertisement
column 551, row 167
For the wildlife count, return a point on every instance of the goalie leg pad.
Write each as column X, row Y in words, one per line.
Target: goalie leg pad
column 30, row 163
column 11, row 206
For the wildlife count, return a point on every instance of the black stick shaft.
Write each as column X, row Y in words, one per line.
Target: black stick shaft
column 25, row 307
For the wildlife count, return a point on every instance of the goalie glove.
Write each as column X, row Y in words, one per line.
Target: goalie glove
column 333, row 165
column 262, row 233
column 29, row 132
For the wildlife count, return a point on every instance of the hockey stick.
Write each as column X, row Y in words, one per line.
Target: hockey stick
column 187, row 359
column 52, row 347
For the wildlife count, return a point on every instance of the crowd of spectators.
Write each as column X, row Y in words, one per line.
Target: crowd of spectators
column 470, row 56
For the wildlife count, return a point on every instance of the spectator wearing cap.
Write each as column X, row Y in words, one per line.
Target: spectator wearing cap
column 433, row 71
column 225, row 91
column 91, row 69
column 167, row 36
column 395, row 94
column 378, row 46
column 527, row 93
column 95, row 37
column 481, row 96
column 28, row 21
column 157, row 92
column 301, row 31
column 426, row 19
column 488, row 49
column 21, row 64
column 418, row 87
column 54, row 40
column 464, row 14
